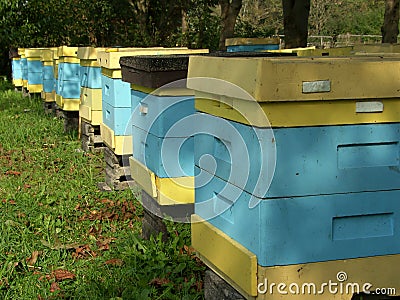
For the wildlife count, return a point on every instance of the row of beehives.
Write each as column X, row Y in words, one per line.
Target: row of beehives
column 304, row 178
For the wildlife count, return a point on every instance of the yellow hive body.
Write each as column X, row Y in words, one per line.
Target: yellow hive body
column 34, row 88
column 34, row 53
column 89, row 53
column 90, row 107
column 239, row 268
column 17, row 82
column 67, row 51
column 377, row 48
column 166, row 191
column 48, row 97
column 21, row 52
column 303, row 79
column 70, row 104
column 120, row 144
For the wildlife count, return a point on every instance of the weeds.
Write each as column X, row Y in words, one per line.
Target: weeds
column 60, row 237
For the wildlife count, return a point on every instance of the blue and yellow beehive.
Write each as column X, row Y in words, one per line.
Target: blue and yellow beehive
column 252, row 44
column 16, row 70
column 159, row 101
column 90, row 108
column 34, row 69
column 24, row 67
column 68, row 82
column 116, row 96
column 49, row 79
column 330, row 129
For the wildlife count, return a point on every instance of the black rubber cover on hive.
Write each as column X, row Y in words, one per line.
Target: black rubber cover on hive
column 154, row 71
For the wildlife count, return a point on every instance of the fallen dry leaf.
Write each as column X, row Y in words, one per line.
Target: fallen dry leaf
column 159, row 281
column 31, row 261
column 54, row 287
column 12, row 202
column 15, row 173
column 115, row 262
column 61, row 275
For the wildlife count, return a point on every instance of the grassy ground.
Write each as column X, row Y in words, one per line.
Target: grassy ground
column 60, row 237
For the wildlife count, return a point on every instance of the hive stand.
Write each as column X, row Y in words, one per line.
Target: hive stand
column 153, row 223
column 215, row 288
column 90, row 137
column 49, row 108
column 117, row 168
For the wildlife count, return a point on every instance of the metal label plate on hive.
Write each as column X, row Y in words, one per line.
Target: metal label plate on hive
column 319, row 86
column 369, row 107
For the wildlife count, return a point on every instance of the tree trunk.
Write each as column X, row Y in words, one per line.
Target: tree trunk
column 185, row 29
column 390, row 28
column 295, row 22
column 229, row 12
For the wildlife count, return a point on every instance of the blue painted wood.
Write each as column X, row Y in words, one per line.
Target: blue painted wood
column 69, row 89
column 116, row 92
column 166, row 157
column 117, row 118
column 35, row 77
column 48, row 85
column 252, row 48
column 90, row 77
column 299, row 230
column 309, row 160
column 48, row 73
column 156, row 114
column 35, row 66
column 69, row 72
column 16, row 69
column 24, row 67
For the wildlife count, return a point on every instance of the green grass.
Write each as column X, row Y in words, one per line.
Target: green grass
column 54, row 218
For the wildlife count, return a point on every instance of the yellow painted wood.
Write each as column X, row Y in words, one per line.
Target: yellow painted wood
column 34, row 53
column 120, row 144
column 111, row 73
column 67, row 51
column 89, row 63
column 16, row 58
column 378, row 271
column 34, row 88
column 286, row 114
column 221, row 253
column 97, row 117
column 94, row 117
column 110, row 60
column 48, row 97
column 283, row 79
column 91, row 98
column 24, row 83
column 70, row 60
column 251, row 41
column 166, row 191
column 71, row 104
column 59, row 101
column 21, row 51
column 377, row 48
column 230, row 258
column 89, row 53
column 47, row 56
column 17, row 82
column 85, row 112
column 56, row 61
column 163, row 91
column 48, row 63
